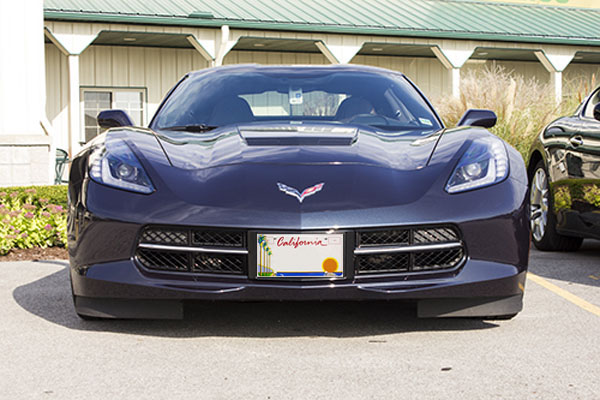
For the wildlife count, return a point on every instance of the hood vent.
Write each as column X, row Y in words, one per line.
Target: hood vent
column 299, row 136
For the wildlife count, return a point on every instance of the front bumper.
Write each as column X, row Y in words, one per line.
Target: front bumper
column 479, row 282
column 123, row 279
column 108, row 281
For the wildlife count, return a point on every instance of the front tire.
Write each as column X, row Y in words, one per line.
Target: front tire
column 542, row 217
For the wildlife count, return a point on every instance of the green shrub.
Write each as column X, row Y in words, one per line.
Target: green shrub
column 29, row 220
column 568, row 191
column 55, row 194
column 562, row 198
column 591, row 195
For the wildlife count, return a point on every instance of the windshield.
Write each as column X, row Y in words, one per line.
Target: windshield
column 385, row 101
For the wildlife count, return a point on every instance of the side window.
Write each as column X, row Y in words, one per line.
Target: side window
column 100, row 99
column 589, row 108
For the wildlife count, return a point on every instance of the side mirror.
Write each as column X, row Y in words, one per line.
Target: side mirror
column 113, row 118
column 483, row 118
column 597, row 112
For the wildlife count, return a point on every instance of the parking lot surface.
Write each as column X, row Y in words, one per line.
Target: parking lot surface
column 551, row 350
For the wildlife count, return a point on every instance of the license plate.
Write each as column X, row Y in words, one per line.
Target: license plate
column 304, row 255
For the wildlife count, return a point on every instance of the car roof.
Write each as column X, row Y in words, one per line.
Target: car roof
column 292, row 68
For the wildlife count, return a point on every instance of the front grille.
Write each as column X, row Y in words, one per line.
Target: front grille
column 165, row 236
column 384, row 238
column 408, row 250
column 225, row 252
column 435, row 235
column 441, row 259
column 193, row 250
column 382, row 263
column 164, row 260
column 218, row 264
column 218, row 238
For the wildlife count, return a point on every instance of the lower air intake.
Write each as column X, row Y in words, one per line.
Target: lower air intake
column 192, row 250
column 404, row 250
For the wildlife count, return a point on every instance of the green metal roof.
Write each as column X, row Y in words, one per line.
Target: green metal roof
column 456, row 19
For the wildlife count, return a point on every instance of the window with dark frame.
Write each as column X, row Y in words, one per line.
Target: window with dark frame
column 96, row 100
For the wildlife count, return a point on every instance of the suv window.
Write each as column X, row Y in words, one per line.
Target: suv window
column 589, row 108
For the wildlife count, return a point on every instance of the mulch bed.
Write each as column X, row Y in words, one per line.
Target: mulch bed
column 37, row 254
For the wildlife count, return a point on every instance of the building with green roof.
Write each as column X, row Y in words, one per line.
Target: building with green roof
column 83, row 56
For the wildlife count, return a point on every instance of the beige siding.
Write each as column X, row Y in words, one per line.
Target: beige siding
column 273, row 58
column 527, row 69
column 578, row 77
column 154, row 69
column 581, row 77
column 57, row 94
column 157, row 69
column 427, row 73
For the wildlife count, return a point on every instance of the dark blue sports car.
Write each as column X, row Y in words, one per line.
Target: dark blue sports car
column 258, row 183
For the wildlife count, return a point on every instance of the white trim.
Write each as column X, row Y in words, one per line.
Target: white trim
column 339, row 53
column 71, row 43
column 201, row 47
column 453, row 58
column 225, row 45
column 74, row 100
column 219, row 250
column 406, row 249
column 455, row 78
column 51, row 134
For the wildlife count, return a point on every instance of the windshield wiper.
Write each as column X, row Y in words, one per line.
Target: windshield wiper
column 190, row 128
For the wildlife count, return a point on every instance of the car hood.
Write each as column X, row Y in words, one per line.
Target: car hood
column 245, row 168
column 222, row 180
column 296, row 145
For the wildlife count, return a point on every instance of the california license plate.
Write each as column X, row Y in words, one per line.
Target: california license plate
column 300, row 255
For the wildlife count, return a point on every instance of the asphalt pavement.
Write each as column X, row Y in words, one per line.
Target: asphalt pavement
column 551, row 350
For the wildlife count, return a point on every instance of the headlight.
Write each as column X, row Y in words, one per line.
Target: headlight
column 484, row 163
column 113, row 163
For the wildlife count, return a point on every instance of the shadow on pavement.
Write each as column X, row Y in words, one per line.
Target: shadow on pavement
column 50, row 299
column 581, row 266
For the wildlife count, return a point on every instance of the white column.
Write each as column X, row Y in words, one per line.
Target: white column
column 556, row 61
column 455, row 77
column 72, row 45
column 206, row 48
column 24, row 146
column 225, row 45
column 340, row 49
column 557, row 82
column 74, row 108
column 22, row 68
column 49, row 130
column 453, row 59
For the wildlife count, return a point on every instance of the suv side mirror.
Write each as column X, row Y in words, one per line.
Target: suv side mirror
column 483, row 118
column 113, row 118
column 597, row 112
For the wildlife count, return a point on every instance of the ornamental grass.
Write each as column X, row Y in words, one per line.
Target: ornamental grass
column 523, row 106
